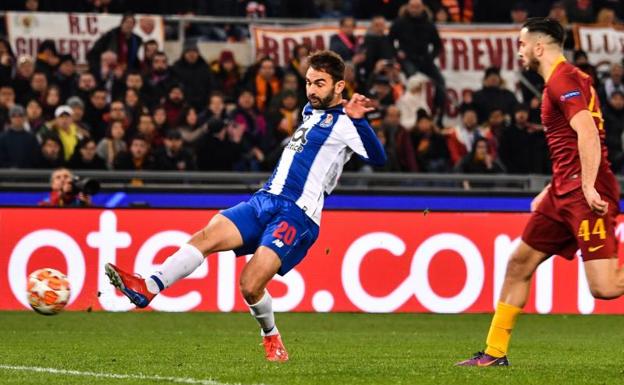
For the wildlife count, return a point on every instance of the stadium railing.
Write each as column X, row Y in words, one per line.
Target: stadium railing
column 350, row 182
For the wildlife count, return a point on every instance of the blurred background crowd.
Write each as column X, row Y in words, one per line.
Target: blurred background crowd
column 149, row 111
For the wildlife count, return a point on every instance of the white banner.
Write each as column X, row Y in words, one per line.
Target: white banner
column 73, row 33
column 604, row 45
column 467, row 52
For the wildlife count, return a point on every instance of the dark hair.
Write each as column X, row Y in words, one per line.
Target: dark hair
column 547, row 26
column 109, row 129
column 139, row 137
column 329, row 62
column 98, row 89
column 345, row 19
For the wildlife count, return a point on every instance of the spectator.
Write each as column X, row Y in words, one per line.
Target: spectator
column 227, row 75
column 138, row 157
column 86, row 85
column 94, row 113
column 398, row 137
column 523, row 148
column 150, row 48
column 344, row 43
column 413, row 100
column 193, row 72
column 122, row 41
column 78, row 112
column 461, row 138
column 38, row 86
column 216, row 151
column 7, row 59
column 251, row 120
column 216, row 109
column 392, row 162
column 376, row 44
column 51, row 100
column 606, row 17
column 110, row 74
column 459, row 11
column 298, row 64
column 519, row 13
column 493, row 129
column 558, row 12
column 284, row 119
column 189, row 125
column 160, row 78
column 34, row 116
column 612, row 83
column 134, row 107
column 290, row 82
column 64, row 128
column 613, row 113
column 580, row 11
column 117, row 112
column 147, row 129
column 85, row 156
column 65, row 76
column 432, row 154
column 18, row 147
column 418, row 54
column 21, row 81
column 51, row 155
column 582, row 62
column 159, row 116
column 493, row 95
column 381, row 98
column 7, row 100
column 63, row 192
column 113, row 144
column 265, row 84
column 173, row 156
column 47, row 58
column 175, row 103
column 480, row 160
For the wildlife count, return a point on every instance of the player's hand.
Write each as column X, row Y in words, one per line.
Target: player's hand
column 357, row 107
column 595, row 202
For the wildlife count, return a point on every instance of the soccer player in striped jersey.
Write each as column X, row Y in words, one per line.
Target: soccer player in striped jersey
column 281, row 221
column 578, row 209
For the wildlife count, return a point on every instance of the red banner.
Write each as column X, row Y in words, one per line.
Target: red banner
column 362, row 261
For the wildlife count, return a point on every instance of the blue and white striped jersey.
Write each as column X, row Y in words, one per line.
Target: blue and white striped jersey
column 313, row 159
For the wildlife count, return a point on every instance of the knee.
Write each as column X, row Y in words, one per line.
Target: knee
column 203, row 241
column 251, row 289
column 602, row 291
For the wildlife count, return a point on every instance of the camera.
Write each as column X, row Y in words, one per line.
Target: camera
column 85, row 185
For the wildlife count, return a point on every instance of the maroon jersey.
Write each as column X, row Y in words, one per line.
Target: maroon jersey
column 568, row 91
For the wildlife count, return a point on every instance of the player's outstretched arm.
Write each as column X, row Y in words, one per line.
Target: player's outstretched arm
column 356, row 109
column 590, row 154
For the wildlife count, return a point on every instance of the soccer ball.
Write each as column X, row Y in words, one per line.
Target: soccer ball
column 48, row 291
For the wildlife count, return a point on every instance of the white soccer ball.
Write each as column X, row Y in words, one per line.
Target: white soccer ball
column 48, row 291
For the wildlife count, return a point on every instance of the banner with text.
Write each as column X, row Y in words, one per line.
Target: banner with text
column 604, row 45
column 73, row 33
column 362, row 262
column 467, row 52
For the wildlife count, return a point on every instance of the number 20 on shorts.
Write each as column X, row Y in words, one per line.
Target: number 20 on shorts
column 285, row 232
column 598, row 229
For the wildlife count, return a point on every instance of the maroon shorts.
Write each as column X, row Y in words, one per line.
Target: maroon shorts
column 561, row 225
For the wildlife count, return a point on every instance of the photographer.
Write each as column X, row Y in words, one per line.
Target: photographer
column 68, row 190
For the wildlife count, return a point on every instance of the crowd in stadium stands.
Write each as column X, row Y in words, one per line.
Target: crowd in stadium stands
column 153, row 112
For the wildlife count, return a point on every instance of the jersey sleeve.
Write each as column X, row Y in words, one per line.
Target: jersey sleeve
column 570, row 92
column 359, row 136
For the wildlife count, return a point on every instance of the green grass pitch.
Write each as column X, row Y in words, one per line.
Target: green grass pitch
column 325, row 349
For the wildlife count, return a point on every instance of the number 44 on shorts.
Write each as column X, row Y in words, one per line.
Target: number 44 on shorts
column 598, row 229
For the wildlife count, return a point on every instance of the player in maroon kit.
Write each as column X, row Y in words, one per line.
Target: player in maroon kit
column 578, row 209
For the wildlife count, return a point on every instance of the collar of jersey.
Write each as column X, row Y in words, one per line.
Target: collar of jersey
column 308, row 110
column 560, row 60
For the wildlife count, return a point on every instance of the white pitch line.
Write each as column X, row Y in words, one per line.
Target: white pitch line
column 179, row 380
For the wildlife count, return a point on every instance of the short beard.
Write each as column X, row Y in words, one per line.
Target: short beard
column 533, row 65
column 322, row 103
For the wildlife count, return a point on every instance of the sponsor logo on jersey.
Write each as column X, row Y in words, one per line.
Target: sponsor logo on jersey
column 278, row 243
column 569, row 95
column 299, row 139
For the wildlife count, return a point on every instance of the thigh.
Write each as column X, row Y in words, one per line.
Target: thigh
column 595, row 234
column 550, row 236
column 244, row 218
column 290, row 235
column 219, row 235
